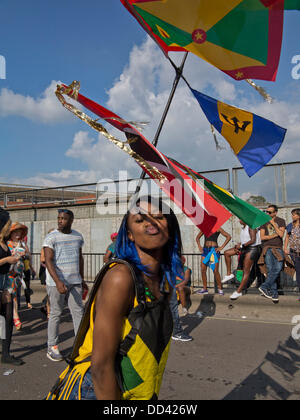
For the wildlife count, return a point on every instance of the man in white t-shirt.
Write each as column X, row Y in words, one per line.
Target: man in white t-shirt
column 64, row 277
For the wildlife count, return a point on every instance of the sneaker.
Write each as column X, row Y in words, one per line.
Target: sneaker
column 220, row 292
column 202, row 292
column 184, row 311
column 265, row 293
column 275, row 298
column 227, row 278
column 236, row 295
column 11, row 360
column 54, row 354
column 182, row 337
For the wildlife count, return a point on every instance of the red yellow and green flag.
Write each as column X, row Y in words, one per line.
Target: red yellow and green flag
column 240, row 37
column 204, row 211
column 249, row 214
column 292, row 5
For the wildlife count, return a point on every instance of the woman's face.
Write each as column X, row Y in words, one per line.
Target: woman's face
column 149, row 228
column 295, row 217
column 16, row 235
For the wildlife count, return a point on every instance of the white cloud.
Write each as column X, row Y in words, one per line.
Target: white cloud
column 46, row 108
column 103, row 158
column 140, row 94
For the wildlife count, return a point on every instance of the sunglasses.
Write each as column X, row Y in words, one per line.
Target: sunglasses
column 268, row 212
column 69, row 212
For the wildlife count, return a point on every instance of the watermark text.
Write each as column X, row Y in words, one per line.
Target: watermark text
column 2, row 67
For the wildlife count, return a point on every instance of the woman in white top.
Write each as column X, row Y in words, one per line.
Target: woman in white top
column 249, row 251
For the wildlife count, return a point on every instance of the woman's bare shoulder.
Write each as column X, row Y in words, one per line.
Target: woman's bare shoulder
column 118, row 278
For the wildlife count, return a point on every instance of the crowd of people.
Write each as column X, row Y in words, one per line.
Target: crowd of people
column 144, row 263
column 262, row 254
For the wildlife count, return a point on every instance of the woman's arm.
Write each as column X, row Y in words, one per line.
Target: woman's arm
column 114, row 300
column 227, row 240
column 198, row 237
column 9, row 260
column 286, row 244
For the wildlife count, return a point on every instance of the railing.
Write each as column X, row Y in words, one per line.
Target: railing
column 275, row 183
column 94, row 261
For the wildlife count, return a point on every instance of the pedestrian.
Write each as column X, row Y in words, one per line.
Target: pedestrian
column 17, row 247
column 249, row 250
column 64, row 277
column 28, row 273
column 183, row 288
column 292, row 242
column 211, row 243
column 122, row 349
column 111, row 248
column 6, row 297
column 272, row 234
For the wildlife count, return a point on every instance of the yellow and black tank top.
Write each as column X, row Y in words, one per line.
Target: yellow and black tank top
column 143, row 350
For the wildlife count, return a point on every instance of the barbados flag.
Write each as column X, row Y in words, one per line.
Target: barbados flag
column 211, row 259
column 253, row 139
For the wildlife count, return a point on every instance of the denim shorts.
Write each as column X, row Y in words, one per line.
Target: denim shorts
column 5, row 283
column 87, row 388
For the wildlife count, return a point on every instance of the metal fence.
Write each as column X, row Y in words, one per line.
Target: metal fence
column 276, row 183
column 93, row 263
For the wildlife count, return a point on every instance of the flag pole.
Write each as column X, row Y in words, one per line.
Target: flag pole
column 178, row 76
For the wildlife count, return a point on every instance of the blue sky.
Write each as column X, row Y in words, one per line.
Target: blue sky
column 100, row 44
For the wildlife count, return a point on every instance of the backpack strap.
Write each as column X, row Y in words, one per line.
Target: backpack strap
column 85, row 321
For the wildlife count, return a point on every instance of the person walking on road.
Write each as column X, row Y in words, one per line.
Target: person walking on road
column 272, row 234
column 64, row 277
column 122, row 345
column 17, row 247
column 292, row 242
column 6, row 297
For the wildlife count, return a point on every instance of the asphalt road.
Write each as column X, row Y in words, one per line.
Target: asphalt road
column 240, row 352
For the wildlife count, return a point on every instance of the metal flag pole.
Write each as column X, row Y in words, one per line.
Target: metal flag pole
column 179, row 71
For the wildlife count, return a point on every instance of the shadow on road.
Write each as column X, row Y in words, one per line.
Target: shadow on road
column 32, row 338
column 264, row 381
column 206, row 308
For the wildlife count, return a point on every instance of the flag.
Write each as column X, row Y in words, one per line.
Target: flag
column 291, row 4
column 253, row 139
column 249, row 214
column 240, row 37
column 211, row 259
column 288, row 4
column 204, row 211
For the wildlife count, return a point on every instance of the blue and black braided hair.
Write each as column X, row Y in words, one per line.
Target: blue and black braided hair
column 171, row 264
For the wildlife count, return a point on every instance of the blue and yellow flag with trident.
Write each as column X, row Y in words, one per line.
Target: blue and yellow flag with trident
column 211, row 259
column 253, row 139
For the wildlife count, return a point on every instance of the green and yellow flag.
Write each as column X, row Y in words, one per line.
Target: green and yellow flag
column 249, row 214
column 291, row 4
column 240, row 37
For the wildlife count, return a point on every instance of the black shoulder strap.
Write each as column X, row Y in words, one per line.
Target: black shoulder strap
column 85, row 322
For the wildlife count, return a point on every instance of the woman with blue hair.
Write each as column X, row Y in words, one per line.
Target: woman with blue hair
column 122, row 345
